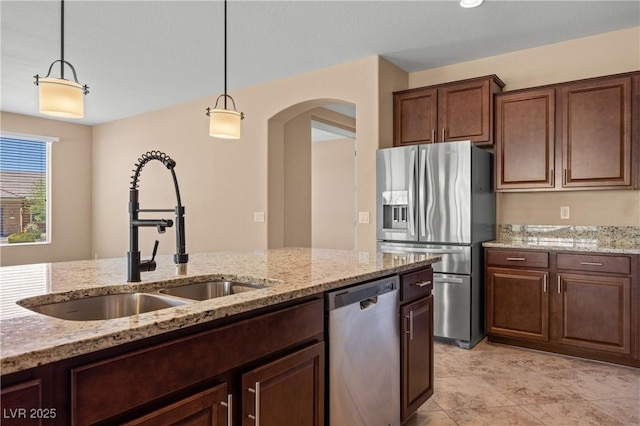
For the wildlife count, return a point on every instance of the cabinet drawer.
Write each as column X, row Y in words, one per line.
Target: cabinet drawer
column 529, row 259
column 595, row 263
column 106, row 388
column 416, row 284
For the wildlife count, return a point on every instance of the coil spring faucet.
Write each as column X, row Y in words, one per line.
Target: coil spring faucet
column 134, row 264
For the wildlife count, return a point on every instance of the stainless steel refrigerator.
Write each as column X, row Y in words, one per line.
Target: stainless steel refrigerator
column 438, row 199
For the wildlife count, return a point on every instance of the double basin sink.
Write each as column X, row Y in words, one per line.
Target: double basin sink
column 112, row 306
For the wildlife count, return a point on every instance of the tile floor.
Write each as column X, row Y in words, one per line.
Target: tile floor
column 504, row 385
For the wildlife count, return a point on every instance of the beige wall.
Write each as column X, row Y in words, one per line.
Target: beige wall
column 70, row 220
column 603, row 54
column 333, row 201
column 391, row 79
column 297, row 181
column 223, row 182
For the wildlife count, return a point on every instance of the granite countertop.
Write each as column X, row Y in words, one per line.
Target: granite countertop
column 594, row 239
column 29, row 339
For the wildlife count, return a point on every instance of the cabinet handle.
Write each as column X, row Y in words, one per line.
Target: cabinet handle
column 422, row 284
column 551, row 176
column 592, row 263
column 433, row 135
column 229, row 405
column 559, row 285
column 256, row 391
column 519, row 259
column 442, row 135
column 410, row 332
column 544, row 283
column 565, row 177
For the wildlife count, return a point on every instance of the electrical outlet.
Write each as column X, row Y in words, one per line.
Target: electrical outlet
column 564, row 212
column 363, row 217
column 258, row 216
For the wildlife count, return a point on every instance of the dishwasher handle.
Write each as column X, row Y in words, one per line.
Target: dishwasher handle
column 364, row 294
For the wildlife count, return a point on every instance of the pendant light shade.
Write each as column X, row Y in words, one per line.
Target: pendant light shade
column 225, row 123
column 60, row 97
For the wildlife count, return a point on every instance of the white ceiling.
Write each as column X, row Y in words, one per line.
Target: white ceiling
column 138, row 56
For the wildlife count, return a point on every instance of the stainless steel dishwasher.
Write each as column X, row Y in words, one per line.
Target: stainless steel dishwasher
column 364, row 354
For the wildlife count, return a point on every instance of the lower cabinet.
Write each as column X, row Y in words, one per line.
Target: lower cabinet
column 288, row 391
column 517, row 303
column 416, row 342
column 594, row 312
column 584, row 305
column 209, row 408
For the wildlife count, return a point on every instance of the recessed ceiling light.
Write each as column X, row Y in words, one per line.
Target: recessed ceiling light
column 470, row 3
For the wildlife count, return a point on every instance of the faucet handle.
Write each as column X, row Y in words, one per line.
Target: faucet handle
column 155, row 250
column 150, row 265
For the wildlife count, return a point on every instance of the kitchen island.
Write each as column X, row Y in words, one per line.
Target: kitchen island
column 39, row 353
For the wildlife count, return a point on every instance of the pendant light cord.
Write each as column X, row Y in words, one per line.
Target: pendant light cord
column 225, row 54
column 62, row 39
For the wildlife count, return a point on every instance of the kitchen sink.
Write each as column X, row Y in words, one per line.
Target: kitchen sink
column 210, row 289
column 107, row 306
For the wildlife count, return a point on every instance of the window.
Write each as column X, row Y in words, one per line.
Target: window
column 24, row 189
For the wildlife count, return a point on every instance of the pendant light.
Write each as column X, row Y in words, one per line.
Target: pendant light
column 223, row 122
column 60, row 97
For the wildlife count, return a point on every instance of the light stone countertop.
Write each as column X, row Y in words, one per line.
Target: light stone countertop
column 29, row 339
column 593, row 239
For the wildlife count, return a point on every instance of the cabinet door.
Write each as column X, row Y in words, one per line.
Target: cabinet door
column 416, row 355
column 288, row 391
column 518, row 303
column 20, row 402
column 525, row 140
column 464, row 112
column 208, row 408
column 596, row 134
column 595, row 312
column 415, row 117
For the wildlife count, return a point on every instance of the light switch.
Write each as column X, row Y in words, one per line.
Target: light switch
column 363, row 217
column 258, row 216
column 564, row 212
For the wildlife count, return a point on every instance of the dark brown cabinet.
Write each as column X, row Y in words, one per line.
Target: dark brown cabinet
column 573, row 303
column 457, row 111
column 208, row 408
column 576, row 135
column 517, row 303
column 596, row 133
column 594, row 312
column 416, row 345
column 525, row 139
column 289, row 390
column 22, row 404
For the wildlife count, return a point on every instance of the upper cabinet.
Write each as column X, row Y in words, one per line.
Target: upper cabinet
column 577, row 135
column 596, row 133
column 457, row 111
column 525, row 139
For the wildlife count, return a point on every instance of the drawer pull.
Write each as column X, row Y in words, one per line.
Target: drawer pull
column 422, row 284
column 592, row 263
column 519, row 259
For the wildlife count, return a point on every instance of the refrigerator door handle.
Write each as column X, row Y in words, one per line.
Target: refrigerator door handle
column 412, row 177
column 422, row 201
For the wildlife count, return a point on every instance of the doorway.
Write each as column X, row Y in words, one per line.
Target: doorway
column 311, row 185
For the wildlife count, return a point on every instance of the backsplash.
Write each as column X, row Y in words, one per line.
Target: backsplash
column 573, row 234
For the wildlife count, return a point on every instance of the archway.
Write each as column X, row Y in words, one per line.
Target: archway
column 294, row 209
